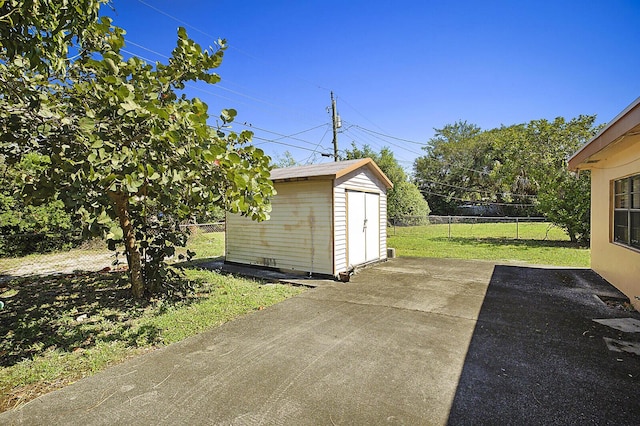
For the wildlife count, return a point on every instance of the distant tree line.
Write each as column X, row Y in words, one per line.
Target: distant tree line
column 516, row 170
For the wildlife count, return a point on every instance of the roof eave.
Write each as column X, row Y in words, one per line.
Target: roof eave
column 612, row 132
column 372, row 165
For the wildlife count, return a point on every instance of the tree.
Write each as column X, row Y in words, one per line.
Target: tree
column 406, row 203
column 125, row 144
column 457, row 167
column 522, row 169
column 26, row 229
column 404, row 199
column 566, row 202
column 42, row 32
column 541, row 156
column 285, row 160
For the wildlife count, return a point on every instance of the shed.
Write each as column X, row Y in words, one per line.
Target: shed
column 613, row 157
column 326, row 219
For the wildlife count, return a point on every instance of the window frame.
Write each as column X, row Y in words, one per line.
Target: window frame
column 625, row 212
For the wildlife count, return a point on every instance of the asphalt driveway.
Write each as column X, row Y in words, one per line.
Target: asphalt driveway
column 410, row 341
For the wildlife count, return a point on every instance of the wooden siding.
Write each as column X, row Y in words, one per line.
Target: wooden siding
column 340, row 230
column 365, row 180
column 296, row 237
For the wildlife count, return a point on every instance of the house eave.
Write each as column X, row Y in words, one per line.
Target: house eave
column 624, row 124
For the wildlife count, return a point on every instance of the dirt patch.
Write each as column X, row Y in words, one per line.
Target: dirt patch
column 57, row 263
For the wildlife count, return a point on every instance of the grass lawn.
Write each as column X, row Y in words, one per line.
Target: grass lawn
column 537, row 243
column 58, row 329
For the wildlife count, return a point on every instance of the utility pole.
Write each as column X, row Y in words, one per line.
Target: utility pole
column 334, row 117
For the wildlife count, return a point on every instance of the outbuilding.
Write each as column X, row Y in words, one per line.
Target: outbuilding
column 613, row 157
column 326, row 219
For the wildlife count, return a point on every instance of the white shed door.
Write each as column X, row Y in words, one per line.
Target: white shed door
column 363, row 221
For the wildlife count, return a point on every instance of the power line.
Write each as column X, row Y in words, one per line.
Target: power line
column 317, row 146
column 186, row 24
column 218, row 85
column 422, row 144
column 489, row 203
column 479, row 190
column 282, row 136
column 147, row 60
column 358, row 112
column 146, row 48
column 360, row 137
column 282, row 143
column 450, row 164
column 374, row 134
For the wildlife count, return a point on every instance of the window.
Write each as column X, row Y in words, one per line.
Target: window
column 626, row 211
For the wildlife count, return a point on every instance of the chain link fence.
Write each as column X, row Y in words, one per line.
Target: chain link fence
column 204, row 227
column 537, row 228
column 65, row 254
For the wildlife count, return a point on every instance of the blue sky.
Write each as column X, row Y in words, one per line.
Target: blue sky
column 398, row 68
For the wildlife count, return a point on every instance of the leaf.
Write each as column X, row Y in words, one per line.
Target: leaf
column 103, row 218
column 123, row 92
column 227, row 115
column 111, row 65
column 129, row 105
column 115, row 233
column 86, row 124
column 234, row 158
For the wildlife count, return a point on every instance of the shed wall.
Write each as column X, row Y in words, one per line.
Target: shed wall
column 296, row 237
column 360, row 180
column 617, row 264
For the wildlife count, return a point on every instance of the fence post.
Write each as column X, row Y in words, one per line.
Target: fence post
column 449, row 226
column 517, row 229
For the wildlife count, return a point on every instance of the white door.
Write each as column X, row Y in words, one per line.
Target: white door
column 372, row 226
column 363, row 221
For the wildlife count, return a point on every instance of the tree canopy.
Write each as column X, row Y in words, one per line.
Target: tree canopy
column 404, row 199
column 128, row 152
column 515, row 170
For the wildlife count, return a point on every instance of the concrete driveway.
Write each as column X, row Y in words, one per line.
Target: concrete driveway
column 410, row 341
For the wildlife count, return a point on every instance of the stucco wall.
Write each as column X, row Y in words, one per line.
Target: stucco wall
column 617, row 264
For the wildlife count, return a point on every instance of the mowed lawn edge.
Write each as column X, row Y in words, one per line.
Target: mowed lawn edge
column 536, row 243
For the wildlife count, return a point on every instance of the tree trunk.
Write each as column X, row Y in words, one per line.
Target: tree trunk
column 131, row 249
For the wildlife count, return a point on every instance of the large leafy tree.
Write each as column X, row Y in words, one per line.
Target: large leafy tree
column 521, row 169
column 457, row 168
column 537, row 160
column 129, row 152
column 404, row 199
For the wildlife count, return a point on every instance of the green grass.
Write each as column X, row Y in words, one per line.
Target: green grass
column 58, row 329
column 537, row 243
column 205, row 245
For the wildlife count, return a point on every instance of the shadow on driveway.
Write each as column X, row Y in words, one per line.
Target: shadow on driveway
column 538, row 357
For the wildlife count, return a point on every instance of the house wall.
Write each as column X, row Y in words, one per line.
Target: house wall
column 365, row 180
column 297, row 237
column 617, row 264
